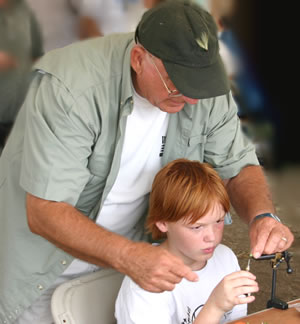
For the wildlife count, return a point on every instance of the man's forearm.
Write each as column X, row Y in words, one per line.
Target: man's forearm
column 67, row 228
column 249, row 193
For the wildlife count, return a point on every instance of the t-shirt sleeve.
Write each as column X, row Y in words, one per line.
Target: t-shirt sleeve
column 137, row 306
column 58, row 141
column 227, row 148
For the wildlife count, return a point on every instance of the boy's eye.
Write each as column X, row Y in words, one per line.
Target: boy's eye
column 197, row 227
column 220, row 221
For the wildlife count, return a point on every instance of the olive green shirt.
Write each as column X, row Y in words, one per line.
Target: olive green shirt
column 66, row 146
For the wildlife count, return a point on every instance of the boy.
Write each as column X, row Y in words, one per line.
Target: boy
column 188, row 203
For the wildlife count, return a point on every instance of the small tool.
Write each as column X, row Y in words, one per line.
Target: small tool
column 248, row 269
column 248, row 265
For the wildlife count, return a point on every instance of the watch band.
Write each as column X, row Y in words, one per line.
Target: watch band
column 265, row 215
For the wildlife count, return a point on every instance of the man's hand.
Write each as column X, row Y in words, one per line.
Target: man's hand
column 153, row 268
column 269, row 236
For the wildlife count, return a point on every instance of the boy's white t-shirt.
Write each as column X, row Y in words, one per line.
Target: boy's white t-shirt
column 127, row 201
column 135, row 305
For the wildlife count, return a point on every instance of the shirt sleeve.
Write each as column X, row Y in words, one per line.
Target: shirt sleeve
column 57, row 142
column 137, row 306
column 227, row 148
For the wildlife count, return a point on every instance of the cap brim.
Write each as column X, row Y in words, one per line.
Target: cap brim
column 199, row 83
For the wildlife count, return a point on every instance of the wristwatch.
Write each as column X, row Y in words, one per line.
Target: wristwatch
column 266, row 215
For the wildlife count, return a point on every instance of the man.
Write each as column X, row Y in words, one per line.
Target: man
column 100, row 119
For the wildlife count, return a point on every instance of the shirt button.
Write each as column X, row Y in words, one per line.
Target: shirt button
column 63, row 262
column 40, row 287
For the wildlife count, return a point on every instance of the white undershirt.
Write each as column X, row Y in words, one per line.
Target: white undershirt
column 140, row 161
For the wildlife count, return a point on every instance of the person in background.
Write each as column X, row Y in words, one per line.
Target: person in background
column 254, row 107
column 151, row 3
column 20, row 45
column 101, row 118
column 63, row 22
column 187, row 208
column 112, row 16
column 246, row 87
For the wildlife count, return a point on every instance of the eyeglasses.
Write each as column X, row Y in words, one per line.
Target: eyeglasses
column 171, row 93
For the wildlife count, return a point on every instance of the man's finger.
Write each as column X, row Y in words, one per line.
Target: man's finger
column 273, row 243
column 259, row 245
column 190, row 275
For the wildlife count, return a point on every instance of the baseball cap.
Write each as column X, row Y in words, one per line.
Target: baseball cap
column 184, row 36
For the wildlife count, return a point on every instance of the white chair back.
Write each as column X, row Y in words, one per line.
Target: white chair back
column 89, row 299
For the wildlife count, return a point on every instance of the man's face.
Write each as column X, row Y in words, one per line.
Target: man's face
column 195, row 243
column 153, row 84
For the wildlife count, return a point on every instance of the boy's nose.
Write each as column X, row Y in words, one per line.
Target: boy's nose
column 209, row 234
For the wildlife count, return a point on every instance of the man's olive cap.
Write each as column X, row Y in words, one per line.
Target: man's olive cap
column 184, row 36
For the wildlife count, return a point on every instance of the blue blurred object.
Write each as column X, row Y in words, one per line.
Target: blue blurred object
column 250, row 97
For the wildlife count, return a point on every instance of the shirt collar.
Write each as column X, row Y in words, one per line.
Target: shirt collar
column 127, row 85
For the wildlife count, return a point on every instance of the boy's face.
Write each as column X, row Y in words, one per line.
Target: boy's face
column 195, row 243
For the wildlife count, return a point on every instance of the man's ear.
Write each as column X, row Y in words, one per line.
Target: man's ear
column 136, row 58
column 162, row 226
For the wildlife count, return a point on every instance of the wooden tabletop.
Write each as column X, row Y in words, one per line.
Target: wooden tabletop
column 273, row 316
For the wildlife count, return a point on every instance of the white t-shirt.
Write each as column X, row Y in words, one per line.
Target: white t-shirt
column 135, row 305
column 140, row 161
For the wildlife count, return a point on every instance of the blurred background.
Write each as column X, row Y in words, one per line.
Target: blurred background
column 257, row 44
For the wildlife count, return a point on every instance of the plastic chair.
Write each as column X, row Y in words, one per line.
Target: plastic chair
column 89, row 299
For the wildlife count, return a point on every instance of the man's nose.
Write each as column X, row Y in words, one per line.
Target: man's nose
column 190, row 100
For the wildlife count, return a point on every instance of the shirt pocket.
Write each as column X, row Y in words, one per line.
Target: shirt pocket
column 195, row 147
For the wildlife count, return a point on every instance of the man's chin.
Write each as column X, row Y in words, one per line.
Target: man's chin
column 172, row 108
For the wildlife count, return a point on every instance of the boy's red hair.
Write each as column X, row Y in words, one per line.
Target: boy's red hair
column 184, row 189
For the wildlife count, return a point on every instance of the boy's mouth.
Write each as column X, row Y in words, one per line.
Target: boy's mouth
column 209, row 250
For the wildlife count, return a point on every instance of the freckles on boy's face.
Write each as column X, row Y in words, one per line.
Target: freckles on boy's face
column 195, row 243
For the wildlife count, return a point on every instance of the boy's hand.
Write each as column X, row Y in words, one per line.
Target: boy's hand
column 232, row 289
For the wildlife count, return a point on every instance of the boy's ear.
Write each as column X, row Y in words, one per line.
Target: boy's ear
column 162, row 226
